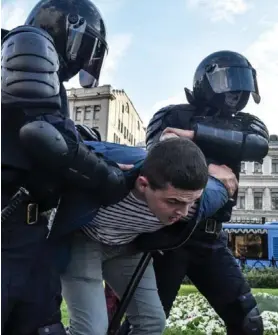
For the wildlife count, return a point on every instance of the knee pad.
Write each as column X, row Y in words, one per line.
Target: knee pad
column 54, row 329
column 249, row 321
column 253, row 323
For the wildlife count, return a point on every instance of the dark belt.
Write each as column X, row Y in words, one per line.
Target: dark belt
column 211, row 227
column 21, row 201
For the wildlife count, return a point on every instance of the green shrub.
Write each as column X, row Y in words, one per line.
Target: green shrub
column 257, row 278
column 267, row 278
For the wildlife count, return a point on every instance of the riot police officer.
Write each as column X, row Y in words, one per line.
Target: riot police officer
column 222, row 85
column 42, row 153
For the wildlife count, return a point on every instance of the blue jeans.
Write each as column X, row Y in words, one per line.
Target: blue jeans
column 83, row 290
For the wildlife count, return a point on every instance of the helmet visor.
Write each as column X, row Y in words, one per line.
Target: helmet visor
column 231, row 79
column 93, row 63
column 86, row 50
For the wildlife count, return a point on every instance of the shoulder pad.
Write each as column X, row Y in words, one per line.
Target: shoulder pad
column 29, row 69
column 252, row 124
column 88, row 134
column 176, row 116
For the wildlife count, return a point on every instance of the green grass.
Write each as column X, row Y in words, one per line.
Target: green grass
column 185, row 290
column 273, row 291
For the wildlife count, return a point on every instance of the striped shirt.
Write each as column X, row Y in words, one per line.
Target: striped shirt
column 123, row 222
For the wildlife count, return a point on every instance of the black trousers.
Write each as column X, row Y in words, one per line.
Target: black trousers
column 216, row 275
column 30, row 283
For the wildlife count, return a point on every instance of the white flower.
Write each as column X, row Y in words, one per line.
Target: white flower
column 194, row 312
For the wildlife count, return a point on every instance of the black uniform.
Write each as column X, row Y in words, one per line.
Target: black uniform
column 43, row 155
column 227, row 136
column 222, row 85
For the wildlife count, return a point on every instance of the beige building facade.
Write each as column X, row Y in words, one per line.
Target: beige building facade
column 108, row 110
column 258, row 189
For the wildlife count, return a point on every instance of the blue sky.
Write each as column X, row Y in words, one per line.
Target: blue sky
column 156, row 45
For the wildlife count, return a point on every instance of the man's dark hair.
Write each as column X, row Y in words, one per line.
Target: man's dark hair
column 176, row 161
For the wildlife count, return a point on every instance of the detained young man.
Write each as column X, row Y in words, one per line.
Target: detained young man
column 173, row 177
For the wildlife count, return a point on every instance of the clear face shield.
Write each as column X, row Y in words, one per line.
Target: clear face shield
column 233, row 80
column 86, row 50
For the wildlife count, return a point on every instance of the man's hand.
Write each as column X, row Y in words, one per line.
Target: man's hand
column 176, row 132
column 225, row 175
column 125, row 167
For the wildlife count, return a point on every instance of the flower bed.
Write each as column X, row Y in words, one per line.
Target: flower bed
column 192, row 315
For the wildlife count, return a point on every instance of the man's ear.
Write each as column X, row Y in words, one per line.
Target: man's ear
column 142, row 182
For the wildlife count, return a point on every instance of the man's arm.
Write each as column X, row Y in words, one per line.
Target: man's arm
column 221, row 185
column 215, row 196
column 121, row 154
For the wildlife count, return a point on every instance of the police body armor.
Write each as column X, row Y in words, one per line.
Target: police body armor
column 37, row 134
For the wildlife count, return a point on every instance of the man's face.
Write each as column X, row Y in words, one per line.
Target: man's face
column 169, row 204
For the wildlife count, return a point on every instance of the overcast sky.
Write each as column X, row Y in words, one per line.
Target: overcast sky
column 156, row 45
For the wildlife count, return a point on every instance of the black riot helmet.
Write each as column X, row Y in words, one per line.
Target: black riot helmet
column 79, row 34
column 4, row 32
column 224, row 80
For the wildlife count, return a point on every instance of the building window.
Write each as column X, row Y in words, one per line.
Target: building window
column 88, row 113
column 138, row 125
column 258, row 200
column 122, row 127
column 119, row 124
column 274, row 200
column 116, row 138
column 274, row 165
column 96, row 112
column 96, row 115
column 240, row 201
column 254, row 246
column 78, row 114
column 125, row 132
column 127, row 108
column 242, row 167
column 257, row 167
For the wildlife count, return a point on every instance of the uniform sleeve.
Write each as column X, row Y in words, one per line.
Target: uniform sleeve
column 214, row 197
column 118, row 153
